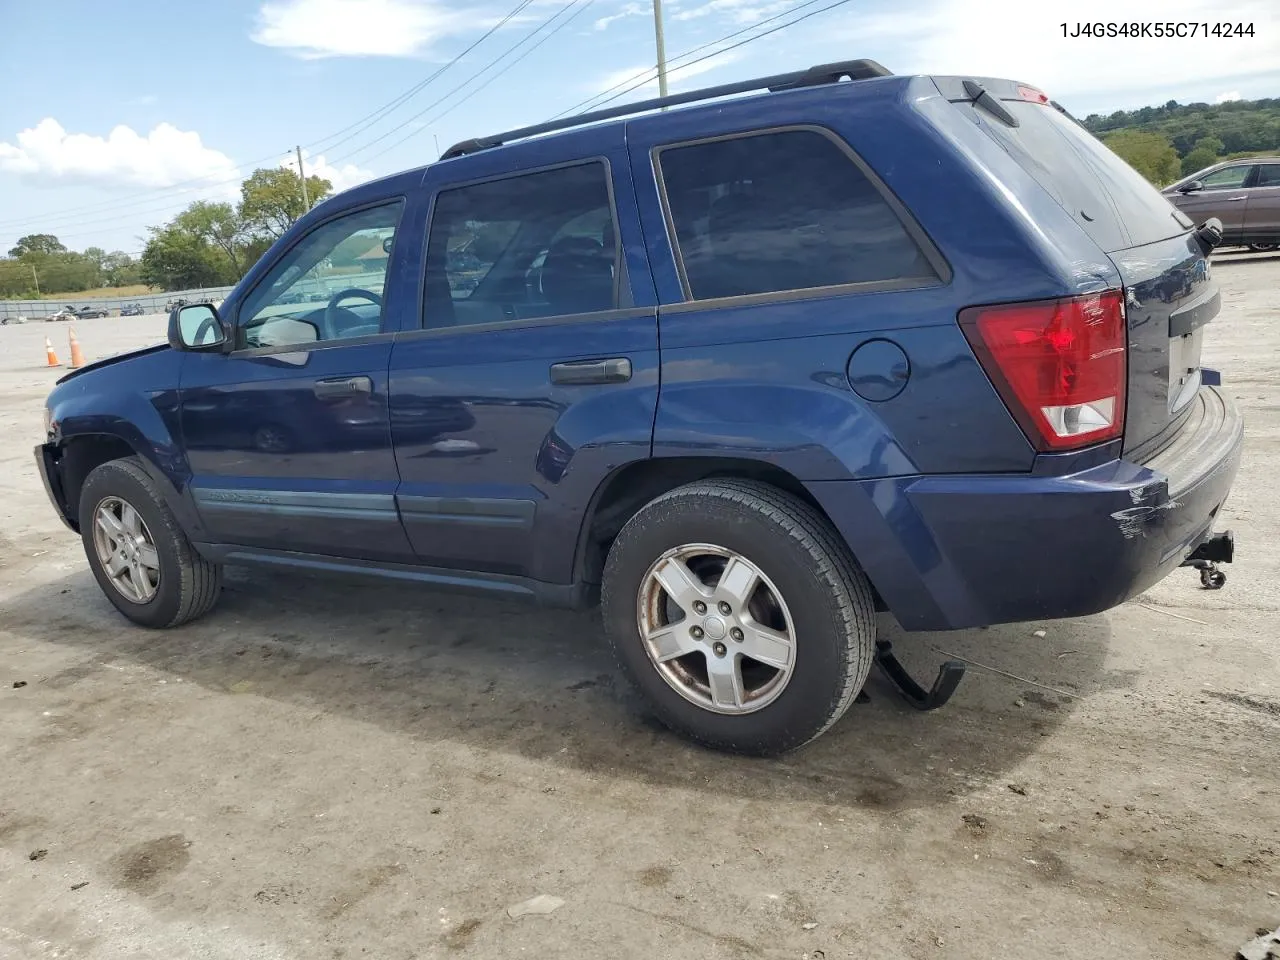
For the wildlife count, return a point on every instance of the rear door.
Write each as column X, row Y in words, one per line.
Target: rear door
column 1262, row 214
column 535, row 372
column 1169, row 295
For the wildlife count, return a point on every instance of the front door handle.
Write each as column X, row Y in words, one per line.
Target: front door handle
column 1236, row 199
column 343, row 388
column 613, row 370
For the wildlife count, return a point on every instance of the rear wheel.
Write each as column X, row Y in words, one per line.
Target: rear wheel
column 738, row 613
column 1263, row 247
column 139, row 555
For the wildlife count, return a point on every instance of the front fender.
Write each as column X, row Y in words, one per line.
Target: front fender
column 109, row 405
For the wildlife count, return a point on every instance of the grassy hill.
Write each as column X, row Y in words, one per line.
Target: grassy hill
column 1167, row 142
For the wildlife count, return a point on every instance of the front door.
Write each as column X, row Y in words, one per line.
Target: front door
column 1224, row 196
column 535, row 374
column 288, row 434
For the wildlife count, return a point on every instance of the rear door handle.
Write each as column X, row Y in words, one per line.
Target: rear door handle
column 613, row 370
column 1236, row 199
column 342, row 387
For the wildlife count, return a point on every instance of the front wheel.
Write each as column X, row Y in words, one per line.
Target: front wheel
column 1263, row 247
column 139, row 554
column 737, row 611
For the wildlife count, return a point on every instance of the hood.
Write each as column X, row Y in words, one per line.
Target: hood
column 115, row 358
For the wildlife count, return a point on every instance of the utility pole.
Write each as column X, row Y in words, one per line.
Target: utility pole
column 436, row 137
column 662, row 48
column 306, row 204
column 35, row 276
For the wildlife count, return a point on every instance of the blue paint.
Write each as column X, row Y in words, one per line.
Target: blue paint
column 463, row 464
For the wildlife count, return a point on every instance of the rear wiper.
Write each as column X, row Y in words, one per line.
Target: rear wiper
column 981, row 97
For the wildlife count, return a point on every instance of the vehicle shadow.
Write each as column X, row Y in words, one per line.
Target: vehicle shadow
column 541, row 684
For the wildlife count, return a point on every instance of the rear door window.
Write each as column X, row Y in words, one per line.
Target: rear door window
column 778, row 211
column 530, row 246
column 1114, row 203
column 1269, row 175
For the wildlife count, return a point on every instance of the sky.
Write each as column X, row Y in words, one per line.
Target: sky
column 113, row 117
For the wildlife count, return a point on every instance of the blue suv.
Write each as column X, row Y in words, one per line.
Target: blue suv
column 748, row 372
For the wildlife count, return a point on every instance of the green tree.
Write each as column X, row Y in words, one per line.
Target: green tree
column 120, row 270
column 271, row 199
column 218, row 224
column 1198, row 159
column 1151, row 154
column 1212, row 144
column 37, row 243
column 177, row 259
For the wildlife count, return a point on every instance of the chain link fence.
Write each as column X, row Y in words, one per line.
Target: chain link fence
column 39, row 310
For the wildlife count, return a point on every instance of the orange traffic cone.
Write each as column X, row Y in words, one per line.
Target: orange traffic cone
column 77, row 357
column 49, row 354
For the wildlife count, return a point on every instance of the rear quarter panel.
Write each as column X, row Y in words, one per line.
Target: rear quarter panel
column 767, row 380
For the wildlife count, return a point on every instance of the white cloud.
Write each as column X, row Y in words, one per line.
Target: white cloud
column 734, row 11
column 1227, row 97
column 47, row 153
column 630, row 10
column 342, row 177
column 312, row 29
column 1008, row 38
column 675, row 75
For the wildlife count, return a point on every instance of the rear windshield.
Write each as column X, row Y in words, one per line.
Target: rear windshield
column 1114, row 203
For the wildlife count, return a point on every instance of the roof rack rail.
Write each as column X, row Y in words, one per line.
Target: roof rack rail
column 812, row 77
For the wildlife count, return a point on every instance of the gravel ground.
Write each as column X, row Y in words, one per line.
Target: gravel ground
column 316, row 773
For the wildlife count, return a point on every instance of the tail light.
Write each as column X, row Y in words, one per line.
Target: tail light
column 1059, row 365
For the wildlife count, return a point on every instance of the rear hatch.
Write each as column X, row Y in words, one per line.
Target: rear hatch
column 1169, row 296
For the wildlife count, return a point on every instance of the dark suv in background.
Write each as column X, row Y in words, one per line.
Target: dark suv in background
column 1243, row 194
column 751, row 370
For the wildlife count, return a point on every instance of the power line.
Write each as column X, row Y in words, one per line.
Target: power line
column 688, row 53
column 431, row 106
column 440, row 116
column 387, row 108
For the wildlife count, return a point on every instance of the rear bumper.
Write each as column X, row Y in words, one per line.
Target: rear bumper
column 51, row 477
column 947, row 552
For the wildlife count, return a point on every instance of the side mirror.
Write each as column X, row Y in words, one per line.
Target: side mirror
column 1192, row 187
column 196, row 326
column 386, row 245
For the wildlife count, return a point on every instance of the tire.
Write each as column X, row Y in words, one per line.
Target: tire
column 1263, row 247
column 185, row 585
column 823, row 604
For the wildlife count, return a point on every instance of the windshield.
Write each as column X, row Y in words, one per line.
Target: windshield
column 1114, row 203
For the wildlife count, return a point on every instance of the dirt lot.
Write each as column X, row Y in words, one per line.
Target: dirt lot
column 316, row 773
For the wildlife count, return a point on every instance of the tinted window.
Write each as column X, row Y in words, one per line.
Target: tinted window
column 1228, row 178
column 329, row 286
column 781, row 211
column 1114, row 203
column 1269, row 175
column 538, row 245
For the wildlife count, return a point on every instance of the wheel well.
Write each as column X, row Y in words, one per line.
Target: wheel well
column 80, row 455
column 628, row 489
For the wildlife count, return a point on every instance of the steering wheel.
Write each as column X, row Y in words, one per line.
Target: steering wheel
column 330, row 321
column 206, row 325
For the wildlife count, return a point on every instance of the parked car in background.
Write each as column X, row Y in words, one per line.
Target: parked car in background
column 131, row 310
column 83, row 313
column 747, row 372
column 1243, row 194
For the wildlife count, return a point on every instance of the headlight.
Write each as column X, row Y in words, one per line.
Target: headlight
column 48, row 422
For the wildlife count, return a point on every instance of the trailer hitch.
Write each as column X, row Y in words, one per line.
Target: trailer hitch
column 1219, row 548
column 944, row 685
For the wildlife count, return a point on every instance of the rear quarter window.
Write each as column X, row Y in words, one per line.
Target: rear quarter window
column 1114, row 203
column 778, row 211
